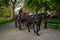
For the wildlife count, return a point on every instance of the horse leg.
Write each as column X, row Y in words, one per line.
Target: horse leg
column 20, row 28
column 34, row 28
column 16, row 24
column 38, row 28
column 28, row 25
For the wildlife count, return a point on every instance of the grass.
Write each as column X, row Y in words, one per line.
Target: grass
column 53, row 20
column 5, row 20
column 52, row 25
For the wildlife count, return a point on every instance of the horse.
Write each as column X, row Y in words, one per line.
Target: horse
column 18, row 19
column 29, row 22
column 36, row 21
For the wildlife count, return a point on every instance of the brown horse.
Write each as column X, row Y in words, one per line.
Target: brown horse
column 36, row 20
column 29, row 22
column 18, row 19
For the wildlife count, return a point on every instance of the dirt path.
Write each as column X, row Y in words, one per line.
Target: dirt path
column 9, row 32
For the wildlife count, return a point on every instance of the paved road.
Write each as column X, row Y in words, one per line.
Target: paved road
column 9, row 32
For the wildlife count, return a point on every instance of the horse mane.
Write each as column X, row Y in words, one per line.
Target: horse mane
column 20, row 11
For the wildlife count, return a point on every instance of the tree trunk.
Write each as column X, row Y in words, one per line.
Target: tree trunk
column 58, row 13
column 13, row 7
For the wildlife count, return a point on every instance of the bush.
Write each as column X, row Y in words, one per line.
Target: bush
column 53, row 20
column 5, row 20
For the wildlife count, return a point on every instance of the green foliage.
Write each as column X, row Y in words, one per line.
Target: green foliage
column 57, row 5
column 47, row 4
column 39, row 4
column 52, row 24
column 5, row 20
column 33, row 4
column 53, row 20
column 4, row 3
column 7, row 11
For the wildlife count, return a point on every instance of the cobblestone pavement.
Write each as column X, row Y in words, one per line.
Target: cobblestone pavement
column 9, row 32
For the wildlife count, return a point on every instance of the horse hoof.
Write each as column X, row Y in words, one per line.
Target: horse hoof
column 28, row 30
column 38, row 34
column 20, row 29
column 34, row 31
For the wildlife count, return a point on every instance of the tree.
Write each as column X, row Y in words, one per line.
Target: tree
column 57, row 6
column 33, row 5
column 3, row 4
column 13, row 6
